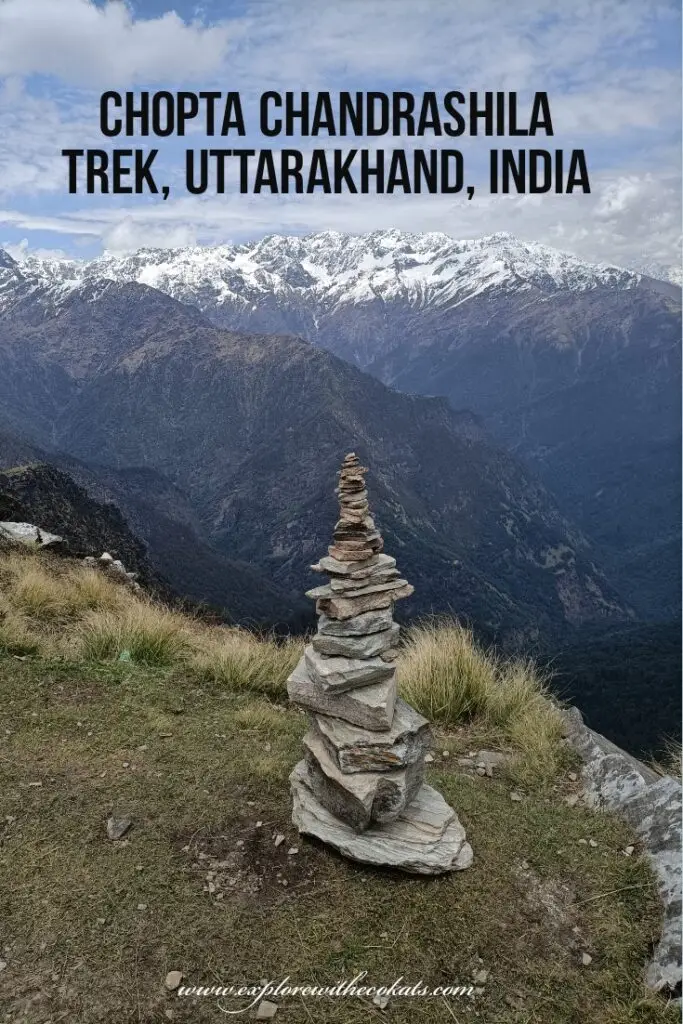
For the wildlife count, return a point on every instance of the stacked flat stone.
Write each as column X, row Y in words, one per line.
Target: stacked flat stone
column 360, row 786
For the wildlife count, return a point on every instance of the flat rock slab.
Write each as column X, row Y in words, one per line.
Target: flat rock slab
column 356, row 588
column 368, row 646
column 338, row 607
column 363, row 797
column 336, row 675
column 370, row 707
column 335, row 568
column 368, row 622
column 341, row 554
column 352, row 585
column 426, row 839
column 356, row 750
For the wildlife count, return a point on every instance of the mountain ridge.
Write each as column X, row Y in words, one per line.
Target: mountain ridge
column 237, row 419
column 572, row 366
column 332, row 268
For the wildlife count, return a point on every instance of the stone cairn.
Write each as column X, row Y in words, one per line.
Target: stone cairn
column 360, row 786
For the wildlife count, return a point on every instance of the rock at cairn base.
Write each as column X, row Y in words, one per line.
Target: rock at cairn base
column 426, row 838
column 360, row 787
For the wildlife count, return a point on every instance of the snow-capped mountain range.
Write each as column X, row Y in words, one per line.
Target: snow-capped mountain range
column 573, row 366
column 324, row 271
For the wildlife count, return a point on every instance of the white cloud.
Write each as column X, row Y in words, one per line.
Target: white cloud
column 599, row 60
column 20, row 250
column 631, row 220
column 83, row 43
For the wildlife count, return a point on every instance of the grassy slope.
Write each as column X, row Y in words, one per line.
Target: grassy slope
column 197, row 764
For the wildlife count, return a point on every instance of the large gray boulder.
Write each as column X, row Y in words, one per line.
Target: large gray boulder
column 655, row 814
column 651, row 803
column 27, row 533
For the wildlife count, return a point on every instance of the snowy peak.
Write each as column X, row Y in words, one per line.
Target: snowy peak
column 329, row 270
column 6, row 261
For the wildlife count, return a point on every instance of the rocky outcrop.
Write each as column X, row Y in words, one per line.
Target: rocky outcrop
column 360, row 787
column 114, row 568
column 651, row 803
column 49, row 503
column 27, row 533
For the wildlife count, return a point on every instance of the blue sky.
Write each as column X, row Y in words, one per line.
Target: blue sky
column 612, row 69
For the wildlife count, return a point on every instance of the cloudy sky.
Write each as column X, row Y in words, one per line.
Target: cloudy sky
column 612, row 69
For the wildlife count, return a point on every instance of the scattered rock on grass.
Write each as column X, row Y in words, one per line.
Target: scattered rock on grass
column 266, row 1010
column 173, row 979
column 117, row 827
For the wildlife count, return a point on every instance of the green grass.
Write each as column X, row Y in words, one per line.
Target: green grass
column 198, row 766
column 191, row 738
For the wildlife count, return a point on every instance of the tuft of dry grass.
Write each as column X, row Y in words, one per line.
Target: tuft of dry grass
column 140, row 631
column 239, row 660
column 16, row 636
column 446, row 676
column 51, row 606
column 669, row 762
column 51, row 591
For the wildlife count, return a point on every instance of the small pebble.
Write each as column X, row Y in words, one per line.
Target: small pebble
column 142, row 906
column 173, row 979
column 292, row 850
column 572, row 776
column 279, row 839
column 446, row 753
column 381, row 1000
column 428, row 758
column 586, row 959
column 629, row 851
column 592, row 842
column 266, row 1010
column 516, row 797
